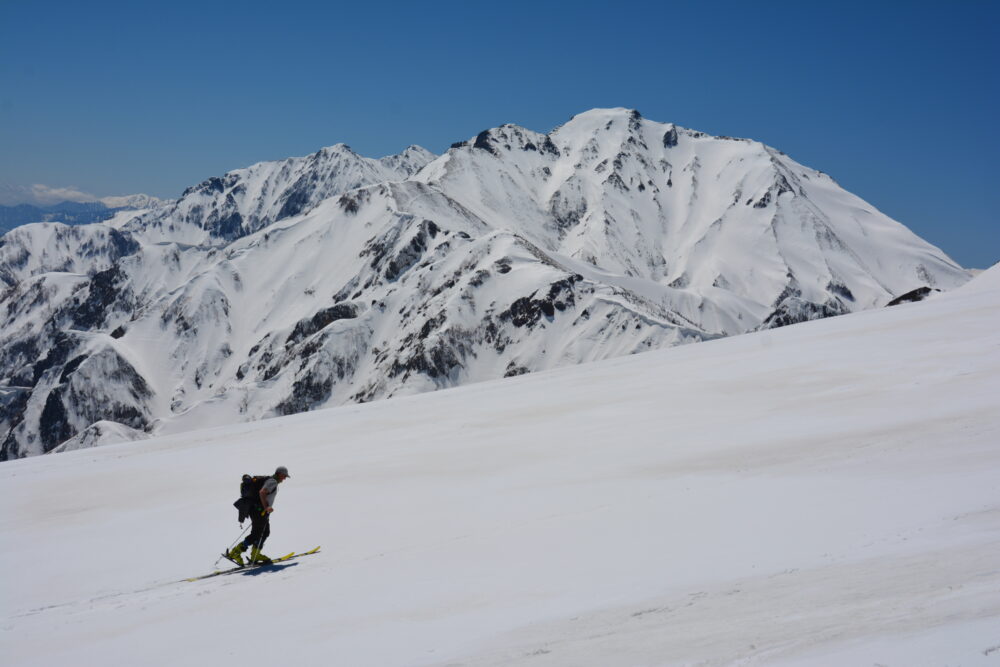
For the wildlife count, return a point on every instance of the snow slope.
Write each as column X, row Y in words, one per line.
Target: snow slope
column 333, row 278
column 813, row 495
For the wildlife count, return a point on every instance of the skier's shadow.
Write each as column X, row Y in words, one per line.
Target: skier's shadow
column 262, row 569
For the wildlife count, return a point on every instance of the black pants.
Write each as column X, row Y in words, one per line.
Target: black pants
column 260, row 529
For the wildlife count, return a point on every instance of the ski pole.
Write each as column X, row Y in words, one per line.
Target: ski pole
column 244, row 532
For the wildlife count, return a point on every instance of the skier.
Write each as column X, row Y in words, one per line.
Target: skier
column 260, row 517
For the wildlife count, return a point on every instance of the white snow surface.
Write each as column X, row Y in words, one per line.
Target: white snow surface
column 821, row 494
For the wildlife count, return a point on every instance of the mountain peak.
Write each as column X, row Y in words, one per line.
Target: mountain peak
column 339, row 147
column 615, row 124
column 414, row 148
column 605, row 116
column 608, row 112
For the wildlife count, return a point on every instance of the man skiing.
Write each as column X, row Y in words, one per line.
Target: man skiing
column 260, row 518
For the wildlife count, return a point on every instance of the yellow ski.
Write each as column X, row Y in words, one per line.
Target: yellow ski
column 251, row 566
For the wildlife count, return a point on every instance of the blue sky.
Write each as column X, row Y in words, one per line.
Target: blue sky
column 897, row 101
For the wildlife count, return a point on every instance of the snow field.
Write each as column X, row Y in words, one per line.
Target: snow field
column 819, row 494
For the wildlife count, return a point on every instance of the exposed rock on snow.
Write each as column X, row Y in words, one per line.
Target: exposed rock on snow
column 54, row 247
column 918, row 294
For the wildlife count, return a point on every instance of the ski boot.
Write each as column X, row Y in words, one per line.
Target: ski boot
column 236, row 555
column 257, row 558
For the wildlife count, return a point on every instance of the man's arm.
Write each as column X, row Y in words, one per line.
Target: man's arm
column 263, row 501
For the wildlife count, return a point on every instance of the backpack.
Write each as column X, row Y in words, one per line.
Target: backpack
column 250, row 487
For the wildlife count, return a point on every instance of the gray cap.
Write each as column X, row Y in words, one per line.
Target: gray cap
column 281, row 470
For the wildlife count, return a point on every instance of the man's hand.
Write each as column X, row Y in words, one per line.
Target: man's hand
column 268, row 510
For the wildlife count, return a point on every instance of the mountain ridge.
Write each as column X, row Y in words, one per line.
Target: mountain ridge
column 309, row 282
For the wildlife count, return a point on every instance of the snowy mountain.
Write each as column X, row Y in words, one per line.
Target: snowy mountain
column 331, row 278
column 823, row 494
column 139, row 201
column 74, row 212
column 247, row 200
column 68, row 212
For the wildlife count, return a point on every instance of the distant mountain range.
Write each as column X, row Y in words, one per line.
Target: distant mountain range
column 316, row 281
column 73, row 213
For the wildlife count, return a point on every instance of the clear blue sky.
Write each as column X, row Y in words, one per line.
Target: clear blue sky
column 897, row 101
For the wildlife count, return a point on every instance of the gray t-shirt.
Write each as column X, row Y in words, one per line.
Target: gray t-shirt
column 270, row 489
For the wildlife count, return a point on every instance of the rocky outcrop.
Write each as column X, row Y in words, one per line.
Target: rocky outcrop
column 913, row 296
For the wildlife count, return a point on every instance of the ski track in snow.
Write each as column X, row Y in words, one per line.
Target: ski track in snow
column 820, row 494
